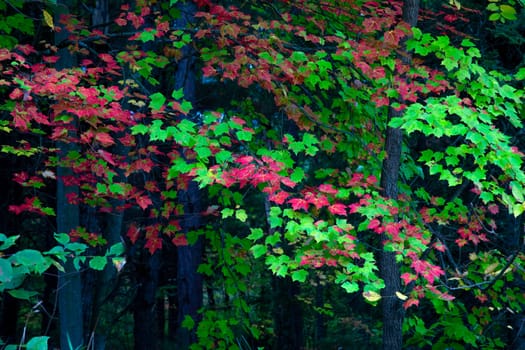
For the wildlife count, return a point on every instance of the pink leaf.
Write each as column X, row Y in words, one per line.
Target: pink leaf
column 180, row 240
column 144, row 202
column 298, row 203
column 337, row 209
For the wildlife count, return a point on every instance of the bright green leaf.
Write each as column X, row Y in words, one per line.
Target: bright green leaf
column 157, row 101
column 98, row 263
column 350, row 286
column 178, row 94
column 244, row 135
column 299, row 275
column 37, row 343
column 241, row 215
column 227, row 212
column 258, row 250
column 6, row 271
column 22, row 294
column 255, row 234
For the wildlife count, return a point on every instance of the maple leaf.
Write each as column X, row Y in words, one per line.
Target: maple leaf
column 153, row 244
column 419, row 266
column 482, row 298
column 410, row 302
column 288, row 182
column 393, row 229
column 209, row 71
column 327, row 188
column 299, row 203
column 17, row 209
column 407, row 278
column 493, row 209
column 279, row 197
column 337, row 209
column 353, row 208
column 20, row 119
column 144, row 202
column 439, row 246
column 263, row 177
column 318, row 201
column 16, row 94
column 20, row 177
column 374, row 224
column 244, row 159
column 108, row 157
column 105, row 139
column 58, row 132
column 180, row 240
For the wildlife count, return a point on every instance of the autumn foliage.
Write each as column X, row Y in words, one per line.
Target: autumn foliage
column 316, row 80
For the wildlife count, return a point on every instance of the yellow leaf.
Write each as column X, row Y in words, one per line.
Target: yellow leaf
column 278, row 250
column 489, row 269
column 455, row 3
column 371, row 296
column 401, row 296
column 48, row 19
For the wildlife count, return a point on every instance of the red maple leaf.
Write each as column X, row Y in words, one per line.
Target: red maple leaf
column 298, row 203
column 287, row 182
column 279, row 197
column 180, row 240
column 482, row 298
column 153, row 244
column 133, row 233
column 353, row 208
column 327, row 188
column 108, row 157
column 104, row 138
column 318, row 201
column 374, row 224
column 144, row 202
column 439, row 246
column 493, row 209
column 337, row 209
column 407, row 278
column 410, row 302
column 393, row 229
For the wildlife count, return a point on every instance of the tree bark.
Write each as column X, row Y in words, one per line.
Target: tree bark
column 189, row 282
column 392, row 307
column 144, row 313
column 68, row 218
column 287, row 314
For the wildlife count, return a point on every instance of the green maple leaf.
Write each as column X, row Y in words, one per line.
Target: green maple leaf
column 157, row 101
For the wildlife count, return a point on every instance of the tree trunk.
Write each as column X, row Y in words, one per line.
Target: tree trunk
column 287, row 314
column 320, row 319
column 69, row 281
column 144, row 310
column 189, row 282
column 68, row 218
column 112, row 222
column 393, row 312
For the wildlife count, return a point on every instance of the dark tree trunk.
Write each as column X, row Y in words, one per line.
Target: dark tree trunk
column 9, row 308
column 288, row 315
column 9, row 225
column 320, row 322
column 111, row 223
column 189, row 282
column 69, row 281
column 393, row 312
column 144, row 310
